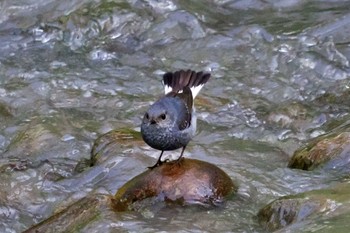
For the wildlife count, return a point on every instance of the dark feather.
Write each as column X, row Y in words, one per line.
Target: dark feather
column 181, row 83
column 180, row 79
column 186, row 96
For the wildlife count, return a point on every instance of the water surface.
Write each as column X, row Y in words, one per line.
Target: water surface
column 73, row 70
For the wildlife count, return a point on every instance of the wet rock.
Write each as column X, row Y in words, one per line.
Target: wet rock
column 313, row 205
column 5, row 111
column 39, row 144
column 75, row 216
column 333, row 101
column 293, row 115
column 283, row 212
column 188, row 181
column 31, row 140
column 113, row 141
column 332, row 150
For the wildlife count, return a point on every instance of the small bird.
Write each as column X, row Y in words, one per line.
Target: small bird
column 170, row 123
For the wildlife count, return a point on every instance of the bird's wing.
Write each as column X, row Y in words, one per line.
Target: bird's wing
column 186, row 96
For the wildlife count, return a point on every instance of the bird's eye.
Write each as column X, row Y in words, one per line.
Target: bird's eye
column 163, row 116
column 146, row 116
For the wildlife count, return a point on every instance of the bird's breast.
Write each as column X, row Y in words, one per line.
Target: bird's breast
column 164, row 138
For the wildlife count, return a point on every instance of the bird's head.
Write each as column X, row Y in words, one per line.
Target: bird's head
column 158, row 115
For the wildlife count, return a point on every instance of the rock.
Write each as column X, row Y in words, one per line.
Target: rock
column 5, row 111
column 32, row 139
column 283, row 212
column 333, row 149
column 292, row 115
column 311, row 206
column 74, row 216
column 112, row 141
column 189, row 181
column 335, row 100
column 185, row 182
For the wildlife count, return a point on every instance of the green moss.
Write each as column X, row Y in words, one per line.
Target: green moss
column 319, row 151
column 309, row 205
column 5, row 111
column 108, row 144
column 74, row 217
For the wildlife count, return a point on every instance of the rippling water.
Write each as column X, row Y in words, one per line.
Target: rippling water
column 73, row 70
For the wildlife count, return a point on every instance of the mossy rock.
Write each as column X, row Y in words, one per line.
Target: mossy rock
column 291, row 115
column 5, row 111
column 322, row 150
column 285, row 211
column 188, row 181
column 109, row 143
column 75, row 216
column 312, row 205
column 32, row 139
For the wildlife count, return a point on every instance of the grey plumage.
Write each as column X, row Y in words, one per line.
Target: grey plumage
column 170, row 123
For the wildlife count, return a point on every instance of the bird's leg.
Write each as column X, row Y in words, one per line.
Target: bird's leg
column 182, row 152
column 159, row 162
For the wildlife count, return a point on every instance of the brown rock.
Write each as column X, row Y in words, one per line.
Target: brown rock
column 284, row 211
column 321, row 150
column 187, row 181
column 311, row 206
column 74, row 217
column 108, row 143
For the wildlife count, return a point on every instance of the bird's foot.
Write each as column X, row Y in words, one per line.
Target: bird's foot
column 179, row 161
column 158, row 163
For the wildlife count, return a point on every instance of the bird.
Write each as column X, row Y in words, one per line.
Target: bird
column 170, row 122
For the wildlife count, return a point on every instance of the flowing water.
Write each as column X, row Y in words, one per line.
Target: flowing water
column 73, row 70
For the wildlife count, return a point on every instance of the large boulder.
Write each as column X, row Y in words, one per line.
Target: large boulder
column 185, row 182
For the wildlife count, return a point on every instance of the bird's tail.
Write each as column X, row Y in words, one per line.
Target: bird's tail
column 177, row 81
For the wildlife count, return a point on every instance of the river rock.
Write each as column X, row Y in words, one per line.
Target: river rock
column 188, row 181
column 109, row 143
column 75, row 216
column 292, row 115
column 285, row 211
column 5, row 111
column 309, row 206
column 332, row 150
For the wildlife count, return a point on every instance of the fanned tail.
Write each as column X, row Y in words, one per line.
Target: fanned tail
column 177, row 81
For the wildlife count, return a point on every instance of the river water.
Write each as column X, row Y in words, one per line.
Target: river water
column 71, row 71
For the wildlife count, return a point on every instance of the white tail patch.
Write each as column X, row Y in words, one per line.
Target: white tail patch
column 167, row 89
column 177, row 81
column 195, row 90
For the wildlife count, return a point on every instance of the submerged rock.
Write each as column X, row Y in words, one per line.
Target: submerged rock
column 32, row 140
column 185, row 182
column 285, row 211
column 333, row 149
column 5, row 111
column 312, row 205
column 75, row 216
column 107, row 144
column 292, row 115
